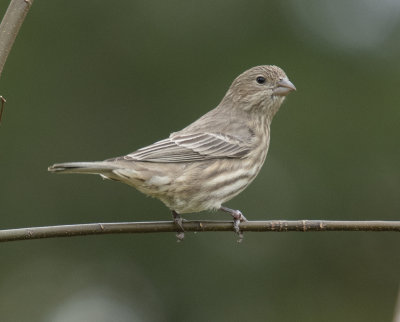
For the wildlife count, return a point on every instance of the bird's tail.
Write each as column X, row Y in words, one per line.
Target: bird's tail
column 99, row 167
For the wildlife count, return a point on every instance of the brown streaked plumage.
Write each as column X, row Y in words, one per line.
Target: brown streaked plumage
column 213, row 159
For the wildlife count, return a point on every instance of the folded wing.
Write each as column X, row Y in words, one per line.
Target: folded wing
column 191, row 147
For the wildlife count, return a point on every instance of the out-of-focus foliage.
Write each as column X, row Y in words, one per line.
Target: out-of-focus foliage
column 88, row 80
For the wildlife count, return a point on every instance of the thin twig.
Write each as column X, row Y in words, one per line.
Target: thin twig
column 10, row 25
column 191, row 226
column 2, row 102
column 396, row 317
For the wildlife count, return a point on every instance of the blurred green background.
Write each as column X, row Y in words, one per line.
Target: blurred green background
column 89, row 80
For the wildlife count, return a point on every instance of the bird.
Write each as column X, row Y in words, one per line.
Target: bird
column 210, row 161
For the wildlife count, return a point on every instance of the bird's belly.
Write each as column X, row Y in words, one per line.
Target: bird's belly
column 202, row 187
column 195, row 186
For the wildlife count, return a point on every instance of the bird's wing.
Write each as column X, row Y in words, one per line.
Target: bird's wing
column 191, row 147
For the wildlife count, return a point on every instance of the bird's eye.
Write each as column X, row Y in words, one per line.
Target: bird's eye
column 260, row 80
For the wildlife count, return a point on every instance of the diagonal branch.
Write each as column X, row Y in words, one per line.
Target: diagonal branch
column 396, row 317
column 10, row 25
column 191, row 226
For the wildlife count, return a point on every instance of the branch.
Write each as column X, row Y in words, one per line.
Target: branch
column 191, row 226
column 396, row 317
column 10, row 25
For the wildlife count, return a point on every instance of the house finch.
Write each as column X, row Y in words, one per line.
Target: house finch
column 210, row 161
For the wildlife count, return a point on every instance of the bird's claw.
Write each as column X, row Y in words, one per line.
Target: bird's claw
column 237, row 219
column 178, row 222
column 181, row 232
column 180, row 236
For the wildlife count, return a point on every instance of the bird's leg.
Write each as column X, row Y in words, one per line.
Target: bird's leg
column 178, row 222
column 237, row 219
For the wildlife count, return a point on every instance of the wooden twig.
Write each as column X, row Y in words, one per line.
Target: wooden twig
column 9, row 27
column 2, row 102
column 396, row 317
column 191, row 226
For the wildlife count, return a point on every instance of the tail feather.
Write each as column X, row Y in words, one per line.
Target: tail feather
column 99, row 167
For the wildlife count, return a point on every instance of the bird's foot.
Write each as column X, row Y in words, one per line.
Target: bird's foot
column 180, row 235
column 237, row 219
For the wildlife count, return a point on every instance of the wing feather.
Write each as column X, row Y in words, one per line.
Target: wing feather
column 191, row 147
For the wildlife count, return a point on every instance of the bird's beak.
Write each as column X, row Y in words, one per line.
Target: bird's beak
column 284, row 87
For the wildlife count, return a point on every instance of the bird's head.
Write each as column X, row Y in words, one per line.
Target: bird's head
column 261, row 88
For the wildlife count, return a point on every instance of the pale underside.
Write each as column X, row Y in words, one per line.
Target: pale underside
column 193, row 172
